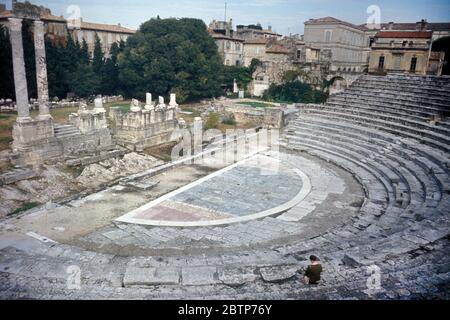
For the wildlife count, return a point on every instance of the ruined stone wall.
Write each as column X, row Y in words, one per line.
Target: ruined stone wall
column 145, row 128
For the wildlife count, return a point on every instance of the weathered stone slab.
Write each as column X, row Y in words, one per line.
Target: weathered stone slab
column 195, row 276
column 115, row 234
column 278, row 273
column 237, row 276
column 137, row 276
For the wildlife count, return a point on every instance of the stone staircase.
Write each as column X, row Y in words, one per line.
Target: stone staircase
column 63, row 131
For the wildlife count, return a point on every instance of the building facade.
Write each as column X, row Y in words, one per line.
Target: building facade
column 252, row 32
column 348, row 43
column 57, row 28
column 230, row 47
column 404, row 51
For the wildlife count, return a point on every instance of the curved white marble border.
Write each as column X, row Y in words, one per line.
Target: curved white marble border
column 303, row 193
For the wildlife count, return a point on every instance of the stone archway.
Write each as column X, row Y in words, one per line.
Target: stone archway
column 443, row 45
column 337, row 84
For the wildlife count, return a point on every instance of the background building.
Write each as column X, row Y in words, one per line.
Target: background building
column 348, row 43
column 403, row 51
column 57, row 28
column 230, row 47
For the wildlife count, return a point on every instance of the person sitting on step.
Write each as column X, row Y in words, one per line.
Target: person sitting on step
column 313, row 271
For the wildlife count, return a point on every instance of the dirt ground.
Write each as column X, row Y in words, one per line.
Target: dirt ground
column 80, row 217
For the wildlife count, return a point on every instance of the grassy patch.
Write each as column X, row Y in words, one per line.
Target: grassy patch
column 24, row 207
column 162, row 152
column 122, row 107
column 256, row 104
column 7, row 116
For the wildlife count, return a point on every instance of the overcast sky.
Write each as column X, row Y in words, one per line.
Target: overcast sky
column 285, row 16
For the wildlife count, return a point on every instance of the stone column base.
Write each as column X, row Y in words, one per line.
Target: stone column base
column 25, row 133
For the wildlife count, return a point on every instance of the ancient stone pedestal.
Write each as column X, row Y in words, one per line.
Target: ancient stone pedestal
column 27, row 133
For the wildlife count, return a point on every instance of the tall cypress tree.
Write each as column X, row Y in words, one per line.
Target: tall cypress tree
column 29, row 57
column 6, row 67
column 85, row 57
column 97, row 62
column 110, row 72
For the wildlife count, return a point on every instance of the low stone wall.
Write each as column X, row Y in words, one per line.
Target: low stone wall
column 56, row 148
column 139, row 130
column 269, row 117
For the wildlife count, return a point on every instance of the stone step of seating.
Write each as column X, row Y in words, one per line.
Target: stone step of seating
column 426, row 137
column 393, row 80
column 377, row 109
column 419, row 113
column 424, row 101
column 415, row 90
column 420, row 165
column 400, row 184
column 436, row 96
column 375, row 115
column 431, row 159
column 380, row 174
column 408, row 121
column 412, row 141
column 418, row 185
column 399, row 227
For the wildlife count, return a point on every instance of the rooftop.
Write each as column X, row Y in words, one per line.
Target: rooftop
column 405, row 34
column 84, row 25
column 277, row 48
column 332, row 20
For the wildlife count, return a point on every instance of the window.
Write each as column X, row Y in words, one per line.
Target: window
column 404, row 43
column 413, row 64
column 238, row 46
column 228, row 45
column 397, row 61
column 328, row 36
column 381, row 63
column 299, row 54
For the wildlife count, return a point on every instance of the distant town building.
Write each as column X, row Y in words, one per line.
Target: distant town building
column 254, row 49
column 348, row 43
column 230, row 48
column 57, row 28
column 252, row 32
column 404, row 51
column 107, row 33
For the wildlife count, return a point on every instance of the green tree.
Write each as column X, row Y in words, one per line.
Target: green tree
column 83, row 82
column 56, row 72
column 212, row 122
column 171, row 55
column 85, row 56
column 242, row 75
column 29, row 57
column 110, row 84
column 97, row 61
column 6, row 67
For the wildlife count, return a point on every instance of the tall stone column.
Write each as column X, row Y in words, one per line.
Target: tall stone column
column 41, row 70
column 20, row 79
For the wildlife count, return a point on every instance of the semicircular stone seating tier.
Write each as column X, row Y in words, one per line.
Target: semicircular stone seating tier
column 389, row 132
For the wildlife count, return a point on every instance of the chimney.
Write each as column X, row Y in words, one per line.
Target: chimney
column 391, row 26
column 421, row 25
